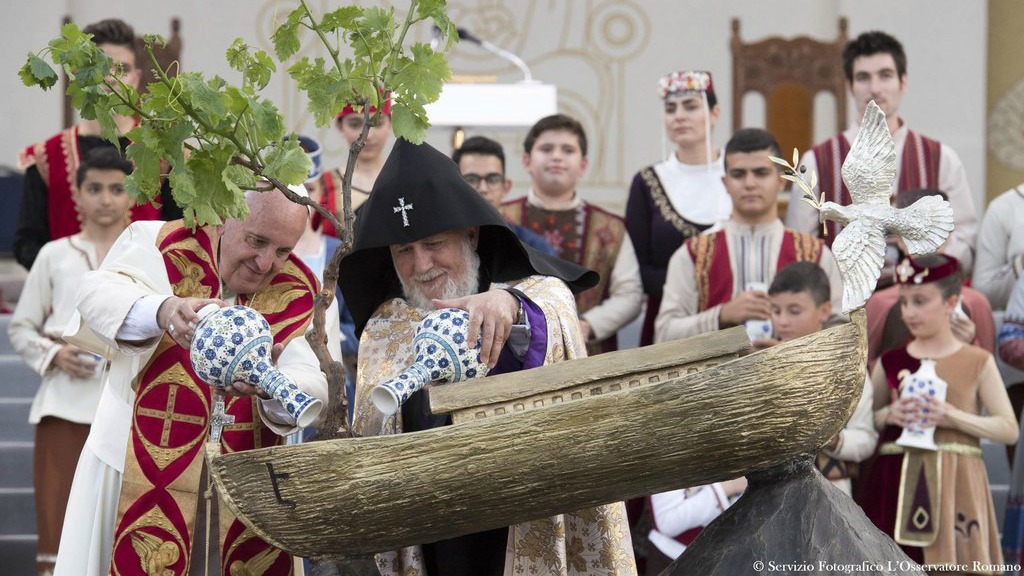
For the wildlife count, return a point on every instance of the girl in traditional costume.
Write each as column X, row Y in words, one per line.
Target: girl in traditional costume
column 937, row 503
column 371, row 160
column 683, row 195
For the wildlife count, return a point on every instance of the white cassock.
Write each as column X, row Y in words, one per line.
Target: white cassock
column 133, row 269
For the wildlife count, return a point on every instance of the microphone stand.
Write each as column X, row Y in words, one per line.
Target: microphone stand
column 499, row 52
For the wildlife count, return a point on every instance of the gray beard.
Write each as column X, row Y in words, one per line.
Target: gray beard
column 453, row 287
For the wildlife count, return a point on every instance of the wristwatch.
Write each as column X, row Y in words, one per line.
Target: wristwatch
column 520, row 318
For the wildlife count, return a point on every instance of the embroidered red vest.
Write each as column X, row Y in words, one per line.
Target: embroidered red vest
column 170, row 423
column 596, row 244
column 57, row 160
column 919, row 168
column 713, row 272
column 332, row 200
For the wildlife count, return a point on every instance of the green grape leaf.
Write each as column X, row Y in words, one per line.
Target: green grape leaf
column 286, row 37
column 144, row 152
column 160, row 101
column 409, row 121
column 172, row 137
column 128, row 94
column 325, row 90
column 435, row 10
column 256, row 68
column 242, row 177
column 379, row 19
column 207, row 102
column 344, row 17
column 71, row 39
column 154, row 40
column 287, row 162
column 206, row 215
column 372, row 37
column 362, row 85
column 424, row 74
column 212, row 194
column 238, row 55
column 183, row 189
column 36, row 72
column 261, row 70
column 267, row 120
column 235, row 100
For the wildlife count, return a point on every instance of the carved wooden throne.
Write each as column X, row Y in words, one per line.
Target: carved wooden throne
column 788, row 73
column 165, row 55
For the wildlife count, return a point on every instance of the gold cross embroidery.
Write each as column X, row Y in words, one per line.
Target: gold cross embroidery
column 169, row 417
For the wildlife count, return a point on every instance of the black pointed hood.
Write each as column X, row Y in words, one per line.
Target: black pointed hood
column 420, row 193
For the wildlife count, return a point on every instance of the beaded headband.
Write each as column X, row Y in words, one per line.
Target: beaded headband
column 348, row 109
column 685, row 81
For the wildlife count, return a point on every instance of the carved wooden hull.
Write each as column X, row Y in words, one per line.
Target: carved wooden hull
column 357, row 496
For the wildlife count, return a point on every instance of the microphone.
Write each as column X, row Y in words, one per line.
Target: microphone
column 435, row 39
column 467, row 36
column 498, row 51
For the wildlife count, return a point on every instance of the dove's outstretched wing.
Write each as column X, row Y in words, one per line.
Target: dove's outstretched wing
column 870, row 167
column 860, row 252
column 925, row 224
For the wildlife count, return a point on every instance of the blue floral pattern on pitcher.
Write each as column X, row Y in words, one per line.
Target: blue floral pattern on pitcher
column 441, row 356
column 233, row 344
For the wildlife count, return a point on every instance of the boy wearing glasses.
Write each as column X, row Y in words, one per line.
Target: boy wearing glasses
column 481, row 162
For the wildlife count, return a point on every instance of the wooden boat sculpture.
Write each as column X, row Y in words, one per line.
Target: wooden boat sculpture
column 554, row 439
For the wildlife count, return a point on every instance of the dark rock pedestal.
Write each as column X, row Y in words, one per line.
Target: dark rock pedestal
column 793, row 521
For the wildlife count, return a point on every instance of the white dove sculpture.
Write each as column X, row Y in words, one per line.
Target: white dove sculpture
column 869, row 173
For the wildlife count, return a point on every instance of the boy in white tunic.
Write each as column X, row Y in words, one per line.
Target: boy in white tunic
column 65, row 404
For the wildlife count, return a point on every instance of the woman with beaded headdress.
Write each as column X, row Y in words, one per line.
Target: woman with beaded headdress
column 682, row 195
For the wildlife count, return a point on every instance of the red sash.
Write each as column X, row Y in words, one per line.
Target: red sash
column 331, row 200
column 170, row 422
column 713, row 271
column 919, row 168
column 57, row 160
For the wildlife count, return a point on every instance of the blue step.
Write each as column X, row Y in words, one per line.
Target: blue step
column 1000, row 493
column 18, row 554
column 14, row 426
column 998, row 468
column 5, row 342
column 15, row 465
column 17, row 380
column 996, row 463
column 19, row 508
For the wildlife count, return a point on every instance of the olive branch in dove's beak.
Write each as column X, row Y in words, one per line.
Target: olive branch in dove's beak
column 806, row 179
